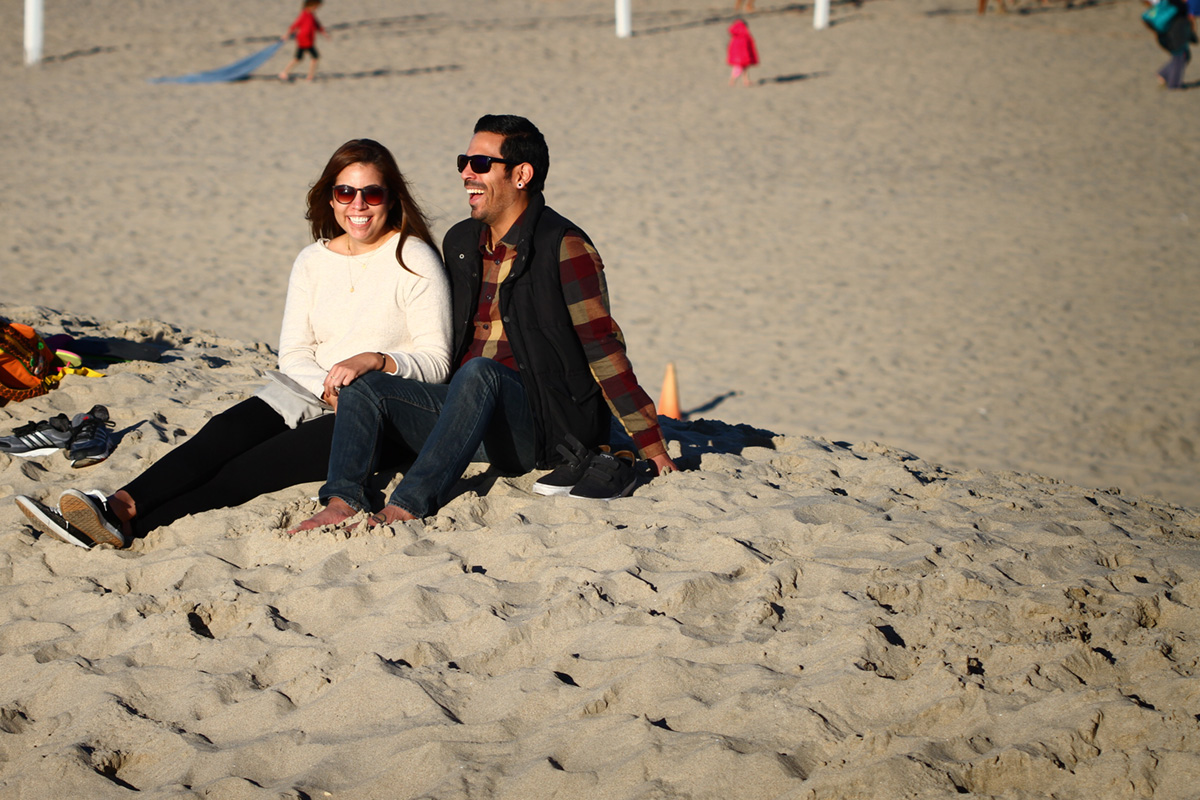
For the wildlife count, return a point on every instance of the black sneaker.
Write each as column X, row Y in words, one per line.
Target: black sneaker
column 608, row 476
column 563, row 478
column 91, row 444
column 38, row 438
column 50, row 522
column 90, row 513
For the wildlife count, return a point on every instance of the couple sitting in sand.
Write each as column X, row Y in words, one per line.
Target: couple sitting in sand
column 517, row 321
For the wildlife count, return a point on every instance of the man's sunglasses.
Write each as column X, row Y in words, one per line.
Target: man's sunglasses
column 373, row 195
column 482, row 164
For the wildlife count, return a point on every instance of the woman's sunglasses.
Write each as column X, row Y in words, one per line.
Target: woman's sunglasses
column 482, row 164
column 373, row 195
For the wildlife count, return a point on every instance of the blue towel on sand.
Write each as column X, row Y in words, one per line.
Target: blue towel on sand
column 230, row 72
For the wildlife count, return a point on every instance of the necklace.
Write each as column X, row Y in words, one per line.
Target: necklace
column 350, row 268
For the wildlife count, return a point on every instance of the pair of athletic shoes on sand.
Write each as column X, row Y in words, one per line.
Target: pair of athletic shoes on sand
column 83, row 439
column 592, row 475
column 81, row 518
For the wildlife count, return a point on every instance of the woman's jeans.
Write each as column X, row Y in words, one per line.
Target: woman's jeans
column 481, row 415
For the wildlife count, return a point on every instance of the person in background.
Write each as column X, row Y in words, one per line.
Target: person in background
column 1177, row 40
column 305, row 29
column 369, row 295
column 742, row 53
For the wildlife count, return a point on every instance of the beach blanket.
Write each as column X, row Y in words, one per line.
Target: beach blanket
column 230, row 72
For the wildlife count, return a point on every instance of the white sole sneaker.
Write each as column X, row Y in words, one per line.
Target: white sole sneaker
column 45, row 451
column 563, row 478
column 609, row 476
column 550, row 490
column 51, row 523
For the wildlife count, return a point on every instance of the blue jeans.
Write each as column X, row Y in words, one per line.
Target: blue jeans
column 481, row 415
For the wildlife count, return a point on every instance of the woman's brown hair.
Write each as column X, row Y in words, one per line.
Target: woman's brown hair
column 404, row 215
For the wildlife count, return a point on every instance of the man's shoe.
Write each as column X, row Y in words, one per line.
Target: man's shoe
column 91, row 444
column 38, row 438
column 50, row 522
column 563, row 478
column 90, row 513
column 608, row 476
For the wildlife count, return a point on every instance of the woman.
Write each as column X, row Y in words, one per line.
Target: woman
column 369, row 294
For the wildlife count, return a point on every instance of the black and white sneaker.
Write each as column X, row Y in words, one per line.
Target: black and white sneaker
column 608, row 476
column 50, row 522
column 563, row 478
column 38, row 438
column 90, row 513
column 92, row 443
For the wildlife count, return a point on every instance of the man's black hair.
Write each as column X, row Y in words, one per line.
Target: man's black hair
column 523, row 142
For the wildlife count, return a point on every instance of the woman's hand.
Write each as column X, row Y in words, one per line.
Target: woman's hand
column 346, row 372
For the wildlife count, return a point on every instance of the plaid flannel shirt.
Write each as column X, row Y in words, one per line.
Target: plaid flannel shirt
column 586, row 293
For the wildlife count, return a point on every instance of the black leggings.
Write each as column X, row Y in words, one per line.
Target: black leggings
column 238, row 455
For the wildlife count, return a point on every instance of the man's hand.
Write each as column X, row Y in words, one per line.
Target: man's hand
column 346, row 372
column 663, row 464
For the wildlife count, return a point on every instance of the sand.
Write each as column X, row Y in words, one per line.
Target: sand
column 930, row 288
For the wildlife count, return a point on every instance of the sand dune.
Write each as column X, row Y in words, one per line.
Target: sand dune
column 789, row 617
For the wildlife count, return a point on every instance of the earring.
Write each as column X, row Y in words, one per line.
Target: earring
column 520, row 185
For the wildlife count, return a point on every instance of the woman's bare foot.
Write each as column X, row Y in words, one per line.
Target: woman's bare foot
column 125, row 507
column 337, row 511
column 388, row 515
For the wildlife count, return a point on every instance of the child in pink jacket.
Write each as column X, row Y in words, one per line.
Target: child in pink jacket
column 742, row 53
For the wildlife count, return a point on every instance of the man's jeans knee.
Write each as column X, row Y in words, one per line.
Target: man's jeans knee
column 485, row 403
column 373, row 406
column 444, row 424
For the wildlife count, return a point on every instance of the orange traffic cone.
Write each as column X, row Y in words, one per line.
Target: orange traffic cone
column 668, row 401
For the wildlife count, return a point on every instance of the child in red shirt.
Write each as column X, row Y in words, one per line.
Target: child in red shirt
column 742, row 53
column 305, row 29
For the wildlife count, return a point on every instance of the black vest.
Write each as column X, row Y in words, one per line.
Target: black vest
column 563, row 395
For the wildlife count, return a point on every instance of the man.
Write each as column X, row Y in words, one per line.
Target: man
column 538, row 362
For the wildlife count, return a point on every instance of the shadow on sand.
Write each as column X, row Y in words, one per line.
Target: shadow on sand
column 382, row 72
column 89, row 51
column 799, row 76
column 1047, row 8
column 696, row 438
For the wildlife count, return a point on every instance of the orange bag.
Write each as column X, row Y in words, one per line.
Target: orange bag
column 27, row 366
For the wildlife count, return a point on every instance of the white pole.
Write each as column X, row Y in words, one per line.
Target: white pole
column 821, row 15
column 33, row 31
column 624, row 19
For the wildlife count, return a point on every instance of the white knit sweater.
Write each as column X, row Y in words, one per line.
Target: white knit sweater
column 390, row 310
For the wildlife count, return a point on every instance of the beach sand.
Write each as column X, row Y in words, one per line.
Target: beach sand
column 930, row 289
